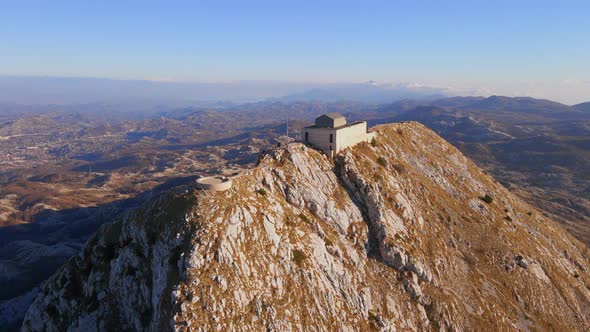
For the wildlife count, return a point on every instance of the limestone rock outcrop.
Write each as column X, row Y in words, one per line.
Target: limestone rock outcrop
column 388, row 236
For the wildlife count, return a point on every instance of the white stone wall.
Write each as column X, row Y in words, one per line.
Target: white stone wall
column 344, row 137
column 352, row 135
column 339, row 122
column 319, row 138
column 215, row 183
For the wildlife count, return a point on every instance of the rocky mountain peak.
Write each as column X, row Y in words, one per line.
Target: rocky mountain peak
column 404, row 233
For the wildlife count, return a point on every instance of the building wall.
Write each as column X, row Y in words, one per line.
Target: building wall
column 352, row 135
column 326, row 121
column 344, row 137
column 319, row 138
column 339, row 122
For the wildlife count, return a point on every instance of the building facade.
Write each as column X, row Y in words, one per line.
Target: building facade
column 331, row 133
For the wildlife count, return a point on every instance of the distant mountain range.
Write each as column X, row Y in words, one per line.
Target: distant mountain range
column 60, row 90
column 367, row 92
column 585, row 107
column 40, row 90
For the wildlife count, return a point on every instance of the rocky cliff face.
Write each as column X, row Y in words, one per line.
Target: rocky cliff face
column 403, row 234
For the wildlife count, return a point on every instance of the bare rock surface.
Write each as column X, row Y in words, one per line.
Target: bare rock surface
column 388, row 236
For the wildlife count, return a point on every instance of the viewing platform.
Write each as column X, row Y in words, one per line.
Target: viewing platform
column 214, row 183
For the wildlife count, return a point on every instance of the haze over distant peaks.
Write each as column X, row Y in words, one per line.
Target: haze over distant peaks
column 64, row 90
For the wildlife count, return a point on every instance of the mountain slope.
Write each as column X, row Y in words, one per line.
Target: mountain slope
column 585, row 107
column 391, row 236
column 539, row 154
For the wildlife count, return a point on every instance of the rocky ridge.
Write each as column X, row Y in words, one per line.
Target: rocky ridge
column 405, row 233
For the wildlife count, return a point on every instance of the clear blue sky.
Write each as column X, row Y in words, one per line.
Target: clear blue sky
column 315, row 41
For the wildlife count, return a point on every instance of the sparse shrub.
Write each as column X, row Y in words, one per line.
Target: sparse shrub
column 399, row 131
column 298, row 257
column 374, row 142
column 72, row 286
column 530, row 213
column 372, row 316
column 146, row 316
column 470, row 259
column 262, row 191
column 373, row 322
column 303, row 217
column 52, row 311
column 91, row 304
column 382, row 161
column 509, row 218
column 130, row 271
column 138, row 252
column 487, row 198
column 328, row 242
column 287, row 221
column 175, row 256
column 108, row 251
column 399, row 168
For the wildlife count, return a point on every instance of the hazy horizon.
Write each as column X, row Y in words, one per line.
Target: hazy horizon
column 80, row 90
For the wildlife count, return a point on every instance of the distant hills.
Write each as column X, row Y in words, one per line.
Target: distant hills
column 369, row 92
column 64, row 90
column 44, row 90
column 585, row 107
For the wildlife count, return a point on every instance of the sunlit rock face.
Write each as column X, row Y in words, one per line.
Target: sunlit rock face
column 393, row 235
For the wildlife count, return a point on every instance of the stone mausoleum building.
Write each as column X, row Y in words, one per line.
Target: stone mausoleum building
column 331, row 133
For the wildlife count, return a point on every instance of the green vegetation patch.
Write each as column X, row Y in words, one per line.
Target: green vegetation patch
column 374, row 142
column 304, row 218
column 299, row 257
column 328, row 242
column 487, row 198
column 399, row 168
column 373, row 321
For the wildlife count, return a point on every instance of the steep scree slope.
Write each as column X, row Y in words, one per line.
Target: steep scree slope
column 390, row 236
